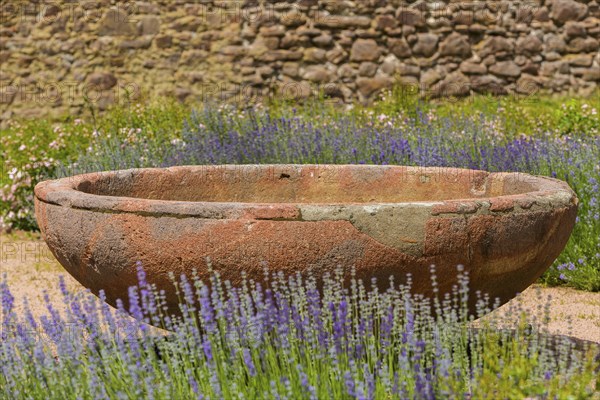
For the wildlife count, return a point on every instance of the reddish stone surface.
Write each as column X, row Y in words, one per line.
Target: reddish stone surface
column 505, row 229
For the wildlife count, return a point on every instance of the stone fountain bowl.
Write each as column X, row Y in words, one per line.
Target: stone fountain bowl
column 506, row 229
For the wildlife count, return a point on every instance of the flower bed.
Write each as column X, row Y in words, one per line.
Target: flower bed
column 538, row 136
column 283, row 338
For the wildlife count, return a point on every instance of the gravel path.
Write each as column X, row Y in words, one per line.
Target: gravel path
column 30, row 269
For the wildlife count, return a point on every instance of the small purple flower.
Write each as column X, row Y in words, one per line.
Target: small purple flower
column 249, row 362
column 563, row 277
column 206, row 309
column 134, row 304
column 571, row 266
column 141, row 274
column 349, row 382
column 207, row 348
column 193, row 383
column 7, row 299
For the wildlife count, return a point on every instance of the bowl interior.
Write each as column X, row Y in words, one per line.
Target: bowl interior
column 305, row 184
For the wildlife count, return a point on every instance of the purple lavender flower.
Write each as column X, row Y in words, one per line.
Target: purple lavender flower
column 349, row 383
column 369, row 378
column 6, row 297
column 206, row 309
column 207, row 348
column 249, row 362
column 571, row 265
column 134, row 304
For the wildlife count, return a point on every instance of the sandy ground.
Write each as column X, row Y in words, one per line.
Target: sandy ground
column 31, row 269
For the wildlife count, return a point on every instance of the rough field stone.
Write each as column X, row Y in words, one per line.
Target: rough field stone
column 426, row 44
column 567, row 10
column 505, row 68
column 456, row 45
column 365, row 50
column 101, row 80
column 116, row 22
column 529, row 45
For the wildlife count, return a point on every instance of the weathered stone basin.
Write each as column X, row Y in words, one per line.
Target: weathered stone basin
column 505, row 228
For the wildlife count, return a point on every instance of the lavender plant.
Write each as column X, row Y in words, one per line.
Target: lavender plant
column 281, row 338
column 475, row 142
column 540, row 137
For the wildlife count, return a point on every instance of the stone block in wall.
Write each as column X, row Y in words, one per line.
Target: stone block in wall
column 269, row 31
column 163, row 41
column 529, row 85
column 367, row 34
column 281, row 55
column 408, row 16
column 189, row 23
column 337, row 55
column 497, row 46
column 530, row 67
column 116, row 22
column 457, row 45
column 102, row 80
column 323, row 40
column 426, row 44
column 291, row 69
column 137, row 43
column 293, row 19
column 488, row 84
column 430, row 77
column 192, row 57
column 454, row 84
column 323, row 20
column 291, row 40
column 399, row 47
column 385, row 22
column 551, row 68
column 505, row 69
column 365, row 50
column 580, row 60
column 567, row 10
column 390, row 65
column 591, row 74
column 346, row 72
column 528, row 45
column 148, row 25
column 575, row 29
column 368, row 69
column 541, row 14
column 315, row 55
column 554, row 43
column 472, row 68
column 408, row 70
column 367, row 87
column 582, row 45
column 317, row 74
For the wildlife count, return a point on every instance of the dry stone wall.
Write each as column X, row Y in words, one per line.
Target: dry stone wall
column 61, row 56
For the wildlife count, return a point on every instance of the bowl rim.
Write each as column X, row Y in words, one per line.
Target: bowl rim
column 63, row 192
